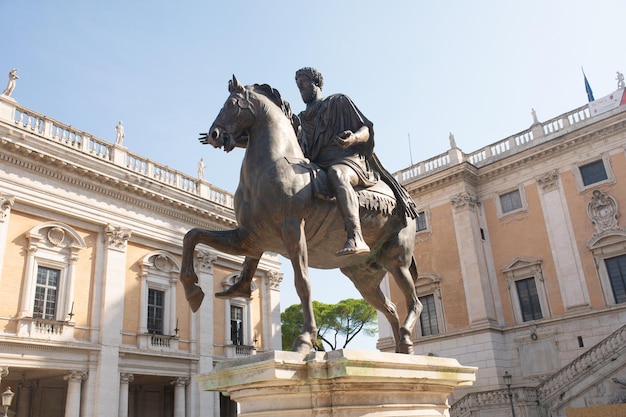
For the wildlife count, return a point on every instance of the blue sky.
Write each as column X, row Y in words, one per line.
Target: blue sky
column 417, row 69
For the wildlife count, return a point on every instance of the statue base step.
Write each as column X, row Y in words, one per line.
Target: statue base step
column 340, row 383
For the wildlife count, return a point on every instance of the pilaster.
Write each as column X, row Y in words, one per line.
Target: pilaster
column 559, row 228
column 6, row 202
column 474, row 269
column 112, row 315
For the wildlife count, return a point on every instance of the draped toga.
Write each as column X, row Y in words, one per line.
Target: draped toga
column 320, row 124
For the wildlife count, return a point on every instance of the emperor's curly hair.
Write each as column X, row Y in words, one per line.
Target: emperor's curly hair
column 313, row 74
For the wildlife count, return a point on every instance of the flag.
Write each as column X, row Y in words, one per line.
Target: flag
column 588, row 88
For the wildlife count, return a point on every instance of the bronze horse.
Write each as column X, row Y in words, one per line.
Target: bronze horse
column 277, row 211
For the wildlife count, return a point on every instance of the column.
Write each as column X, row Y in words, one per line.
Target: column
column 565, row 255
column 125, row 379
column 201, row 333
column 179, row 396
column 72, row 400
column 111, row 321
column 472, row 257
column 271, row 322
column 6, row 202
column 25, row 398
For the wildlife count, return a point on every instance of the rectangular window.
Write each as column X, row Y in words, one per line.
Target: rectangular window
column 511, row 201
column 428, row 318
column 421, row 221
column 46, row 289
column 236, row 325
column 156, row 306
column 616, row 267
column 593, row 172
column 528, row 299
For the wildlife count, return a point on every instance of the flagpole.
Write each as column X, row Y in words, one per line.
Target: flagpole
column 410, row 152
column 587, row 86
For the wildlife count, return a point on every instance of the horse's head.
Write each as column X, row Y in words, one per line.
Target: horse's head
column 231, row 125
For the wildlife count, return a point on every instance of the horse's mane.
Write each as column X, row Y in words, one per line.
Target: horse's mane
column 274, row 95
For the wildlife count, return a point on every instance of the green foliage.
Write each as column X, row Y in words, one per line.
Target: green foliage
column 337, row 324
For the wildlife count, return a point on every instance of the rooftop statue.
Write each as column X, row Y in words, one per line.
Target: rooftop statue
column 279, row 209
column 119, row 133
column 11, row 84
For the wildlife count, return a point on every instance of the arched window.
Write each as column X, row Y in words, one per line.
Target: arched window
column 157, row 315
column 50, row 272
column 238, row 321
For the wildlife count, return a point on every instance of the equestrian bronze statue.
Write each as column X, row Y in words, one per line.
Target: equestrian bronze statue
column 278, row 209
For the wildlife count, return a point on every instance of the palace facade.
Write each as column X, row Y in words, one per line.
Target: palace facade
column 93, row 320
column 521, row 252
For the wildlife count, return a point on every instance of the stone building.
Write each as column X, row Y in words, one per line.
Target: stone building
column 521, row 251
column 93, row 321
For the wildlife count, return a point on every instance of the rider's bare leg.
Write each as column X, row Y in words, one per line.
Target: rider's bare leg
column 343, row 179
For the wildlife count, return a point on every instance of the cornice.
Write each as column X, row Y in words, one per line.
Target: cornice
column 463, row 172
column 122, row 190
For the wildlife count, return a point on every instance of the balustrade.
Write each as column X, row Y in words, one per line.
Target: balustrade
column 68, row 136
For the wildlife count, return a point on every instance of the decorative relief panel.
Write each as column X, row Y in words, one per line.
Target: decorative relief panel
column 603, row 212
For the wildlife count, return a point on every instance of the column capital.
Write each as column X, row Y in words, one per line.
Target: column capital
column 76, row 376
column 117, row 237
column 464, row 200
column 205, row 260
column 549, row 181
column 4, row 371
column 180, row 382
column 6, row 202
column 275, row 278
column 126, row 378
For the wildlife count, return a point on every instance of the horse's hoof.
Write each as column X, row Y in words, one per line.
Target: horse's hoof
column 194, row 298
column 235, row 290
column 405, row 345
column 302, row 344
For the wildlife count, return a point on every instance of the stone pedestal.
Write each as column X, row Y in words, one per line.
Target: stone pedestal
column 341, row 383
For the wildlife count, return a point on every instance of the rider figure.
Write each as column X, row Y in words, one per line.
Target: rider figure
column 338, row 138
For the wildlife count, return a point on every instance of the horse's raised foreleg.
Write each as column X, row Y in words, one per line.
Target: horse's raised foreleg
column 229, row 241
column 295, row 242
